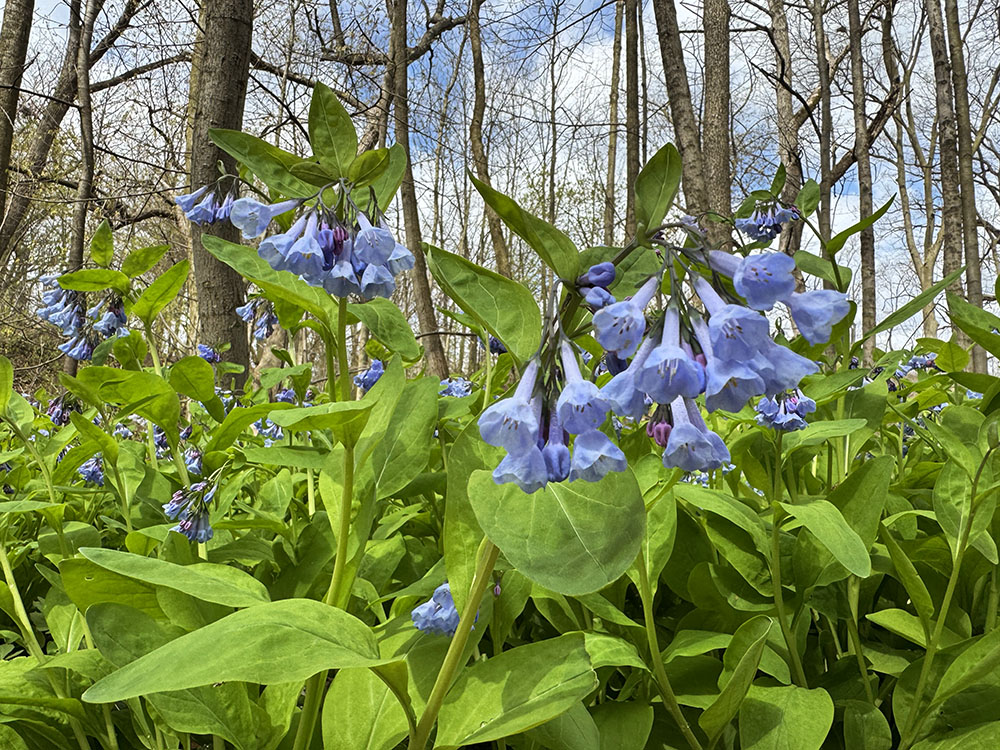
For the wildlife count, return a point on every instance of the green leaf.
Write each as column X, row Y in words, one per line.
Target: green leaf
column 388, row 325
column 624, row 725
column 656, row 186
column 825, row 521
column 977, row 737
column 907, row 574
column 6, row 382
column 332, row 135
column 572, row 538
column 865, row 727
column 95, row 280
column 808, row 198
column 346, row 418
column 361, row 713
column 368, row 167
column 506, row 308
column 861, row 497
column 911, row 308
column 837, row 242
column 404, row 450
column 979, row 324
column 553, row 247
column 193, row 377
column 724, row 708
column 102, row 247
column 284, row 641
column 270, row 163
column 515, row 691
column 822, row 268
column 386, row 184
column 220, row 584
column 142, row 260
column 237, row 420
column 776, row 718
column 778, row 183
column 573, row 730
column 161, row 292
column 974, row 665
column 90, row 431
column 88, row 584
column 130, row 350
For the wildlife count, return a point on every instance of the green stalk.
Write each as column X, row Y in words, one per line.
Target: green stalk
column 994, row 601
column 662, row 681
column 488, row 553
column 315, row 687
column 334, row 596
column 120, row 486
column 310, row 493
column 853, row 591
column 345, row 373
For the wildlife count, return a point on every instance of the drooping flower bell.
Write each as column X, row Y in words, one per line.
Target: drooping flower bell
column 203, row 206
column 438, row 615
column 761, row 279
column 455, row 387
column 816, row 312
column 668, row 371
column 785, row 411
column 581, row 406
column 619, row 327
column 367, row 379
column 189, row 507
column 209, row 354
column 92, row 470
column 252, row 217
column 512, row 423
column 765, row 223
column 691, row 446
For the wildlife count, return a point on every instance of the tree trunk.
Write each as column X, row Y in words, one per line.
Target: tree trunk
column 433, row 349
column 681, row 109
column 631, row 112
column 715, row 120
column 826, row 122
column 13, row 48
column 970, row 233
column 861, row 146
column 222, row 69
column 479, row 158
column 609, row 187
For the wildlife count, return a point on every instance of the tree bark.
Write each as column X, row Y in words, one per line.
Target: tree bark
column 13, row 49
column 966, row 151
column 434, row 354
column 861, row 146
column 681, row 109
column 826, row 122
column 222, row 69
column 631, row 111
column 715, row 120
column 609, row 187
column 479, row 158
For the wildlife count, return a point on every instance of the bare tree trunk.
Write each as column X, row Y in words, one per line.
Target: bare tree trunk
column 715, row 121
column 437, row 363
column 86, row 180
column 970, row 234
column 609, row 187
column 479, row 158
column 13, row 48
column 681, row 109
column 826, row 121
column 553, row 132
column 631, row 111
column 223, row 65
column 861, row 146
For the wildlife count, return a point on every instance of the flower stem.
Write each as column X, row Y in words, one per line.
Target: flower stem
column 315, row 687
column 334, row 595
column 853, row 590
column 345, row 373
column 452, row 664
column 662, row 681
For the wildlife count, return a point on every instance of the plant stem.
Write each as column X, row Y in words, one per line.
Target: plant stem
column 662, row 681
column 310, row 493
column 853, row 591
column 488, row 553
column 315, row 686
column 334, row 596
column 345, row 370
column 994, row 600
column 120, row 486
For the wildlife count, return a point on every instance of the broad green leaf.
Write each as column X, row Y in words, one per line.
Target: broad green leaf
column 980, row 325
column 911, row 308
column 808, row 198
column 573, row 538
column 978, row 661
column 977, row 737
column 297, row 456
column 142, row 260
column 95, row 280
column 346, row 418
column 827, row 524
column 6, row 382
column 611, row 651
column 282, row 641
column 386, row 184
column 142, row 393
column 88, row 584
column 656, row 186
column 220, row 584
column 368, row 166
column 836, row 243
column 237, row 420
column 388, row 325
column 270, row 163
column 624, row 725
column 910, row 578
column 778, row 183
column 952, row 501
column 130, row 350
column 553, row 247
column 865, row 727
column 777, row 718
column 861, row 497
column 90, row 431
column 820, row 432
column 822, row 268
column 515, row 691
column 572, row 730
column 908, row 626
column 102, row 247
column 161, row 292
column 332, row 135
column 405, row 449
column 724, row 708
column 505, row 307
column 193, row 377
column 361, row 713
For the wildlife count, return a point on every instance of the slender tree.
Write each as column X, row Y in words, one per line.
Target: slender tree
column 631, row 111
column 13, row 48
column 609, row 185
column 715, row 120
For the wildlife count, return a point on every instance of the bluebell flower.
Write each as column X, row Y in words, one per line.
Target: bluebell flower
column 622, row 392
column 496, row 346
column 274, row 249
column 189, row 507
column 437, row 616
column 188, row 201
column 455, row 387
column 377, row 281
column 668, row 371
column 729, row 384
column 512, row 423
column 80, row 347
column 209, row 354
column 774, row 413
column 659, row 429
column 619, row 327
column 765, row 223
column 122, row 431
column 342, row 279
column 973, row 395
column 527, row 469
column 305, row 257
column 581, row 406
column 816, row 312
column 400, row 260
column 373, row 244
column 594, row 456
column 252, row 217
column 761, row 279
column 366, row 380
column 192, row 460
column 780, row 368
column 287, row 395
column 600, row 275
column 186, row 432
column 691, row 446
column 596, row 297
column 268, row 430
column 60, row 408
column 556, row 452
column 224, row 209
column 92, row 470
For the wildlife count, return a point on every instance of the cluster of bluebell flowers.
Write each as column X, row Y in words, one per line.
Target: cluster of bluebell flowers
column 84, row 328
column 786, row 411
column 259, row 313
column 438, row 615
column 455, row 387
column 189, row 507
column 204, row 205
column 92, row 470
column 767, row 219
column 209, row 354
column 367, row 379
